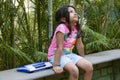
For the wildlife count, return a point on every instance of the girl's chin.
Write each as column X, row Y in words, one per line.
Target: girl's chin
column 76, row 19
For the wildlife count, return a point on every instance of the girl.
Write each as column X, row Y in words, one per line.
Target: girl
column 66, row 35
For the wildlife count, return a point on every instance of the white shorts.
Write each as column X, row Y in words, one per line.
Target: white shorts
column 64, row 59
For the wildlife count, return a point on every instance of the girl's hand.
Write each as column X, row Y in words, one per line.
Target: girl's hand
column 58, row 69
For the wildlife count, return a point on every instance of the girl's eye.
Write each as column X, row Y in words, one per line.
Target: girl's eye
column 71, row 11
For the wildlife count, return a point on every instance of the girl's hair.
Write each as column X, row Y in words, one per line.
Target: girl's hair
column 63, row 12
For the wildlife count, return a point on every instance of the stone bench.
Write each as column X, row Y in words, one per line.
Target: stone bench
column 96, row 58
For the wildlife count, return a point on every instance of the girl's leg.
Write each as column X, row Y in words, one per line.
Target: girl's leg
column 73, row 71
column 87, row 67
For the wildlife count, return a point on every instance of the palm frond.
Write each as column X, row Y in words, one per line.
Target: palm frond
column 11, row 57
column 94, row 41
column 97, row 46
column 115, row 43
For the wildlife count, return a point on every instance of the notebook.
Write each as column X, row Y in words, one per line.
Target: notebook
column 34, row 67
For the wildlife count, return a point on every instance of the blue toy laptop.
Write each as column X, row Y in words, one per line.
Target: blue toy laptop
column 34, row 67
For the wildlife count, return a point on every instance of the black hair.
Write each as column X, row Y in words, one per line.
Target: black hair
column 63, row 12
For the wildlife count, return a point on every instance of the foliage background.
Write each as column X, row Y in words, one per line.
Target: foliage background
column 24, row 34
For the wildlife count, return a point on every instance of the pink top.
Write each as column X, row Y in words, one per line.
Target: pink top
column 69, row 40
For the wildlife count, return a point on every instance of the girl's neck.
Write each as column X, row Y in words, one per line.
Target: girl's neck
column 72, row 26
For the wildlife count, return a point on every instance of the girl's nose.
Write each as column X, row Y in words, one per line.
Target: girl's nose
column 75, row 13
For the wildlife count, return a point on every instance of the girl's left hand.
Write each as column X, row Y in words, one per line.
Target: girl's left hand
column 58, row 69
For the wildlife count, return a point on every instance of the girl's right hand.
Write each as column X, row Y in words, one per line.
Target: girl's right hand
column 58, row 69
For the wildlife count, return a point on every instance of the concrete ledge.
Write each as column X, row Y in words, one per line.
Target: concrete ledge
column 104, row 56
column 96, row 58
column 12, row 74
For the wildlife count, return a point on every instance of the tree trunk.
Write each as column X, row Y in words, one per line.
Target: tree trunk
column 12, row 23
column 11, row 62
column 50, row 18
column 39, row 28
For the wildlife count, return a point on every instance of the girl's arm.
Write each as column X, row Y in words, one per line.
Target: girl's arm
column 80, row 47
column 60, row 41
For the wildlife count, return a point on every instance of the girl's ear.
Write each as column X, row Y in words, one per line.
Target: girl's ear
column 63, row 19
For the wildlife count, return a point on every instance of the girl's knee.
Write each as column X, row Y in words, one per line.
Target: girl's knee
column 89, row 67
column 74, row 72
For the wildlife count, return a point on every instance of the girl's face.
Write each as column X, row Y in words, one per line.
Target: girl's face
column 73, row 15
